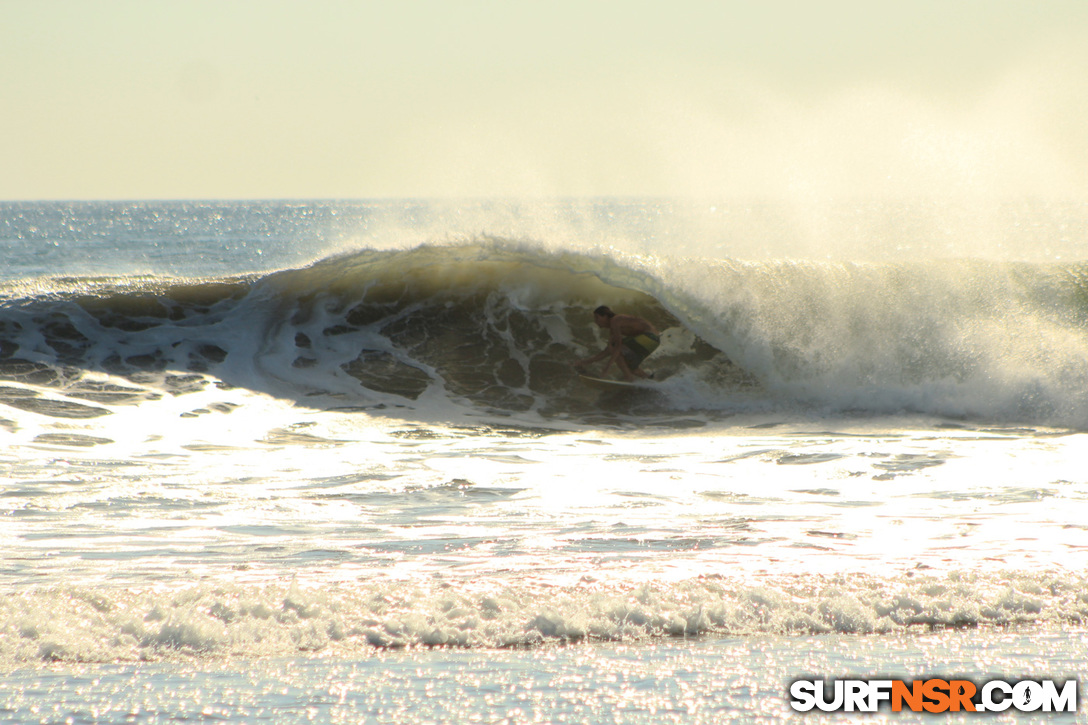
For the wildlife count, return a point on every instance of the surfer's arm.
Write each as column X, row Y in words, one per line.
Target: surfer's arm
column 611, row 351
column 614, row 351
column 589, row 360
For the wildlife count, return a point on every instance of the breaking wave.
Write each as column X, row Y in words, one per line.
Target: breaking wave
column 494, row 325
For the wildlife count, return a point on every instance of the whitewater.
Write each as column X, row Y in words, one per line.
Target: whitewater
column 330, row 460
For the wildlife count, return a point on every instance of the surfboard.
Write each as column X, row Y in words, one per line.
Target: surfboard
column 609, row 384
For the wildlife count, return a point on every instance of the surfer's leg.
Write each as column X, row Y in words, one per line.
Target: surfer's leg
column 629, row 363
column 635, row 350
column 629, row 370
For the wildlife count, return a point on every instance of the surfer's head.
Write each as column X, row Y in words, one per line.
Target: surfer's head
column 603, row 315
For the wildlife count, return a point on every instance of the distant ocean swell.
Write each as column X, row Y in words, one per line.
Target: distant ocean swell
column 495, row 325
column 220, row 620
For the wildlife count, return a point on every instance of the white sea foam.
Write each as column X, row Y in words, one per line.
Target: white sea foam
column 221, row 620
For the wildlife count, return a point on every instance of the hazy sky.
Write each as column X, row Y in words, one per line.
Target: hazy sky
column 108, row 99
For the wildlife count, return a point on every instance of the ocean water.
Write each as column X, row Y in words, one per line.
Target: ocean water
column 329, row 461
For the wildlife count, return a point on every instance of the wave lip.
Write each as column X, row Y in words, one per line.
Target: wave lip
column 492, row 326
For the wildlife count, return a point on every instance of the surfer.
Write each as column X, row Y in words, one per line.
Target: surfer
column 631, row 340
